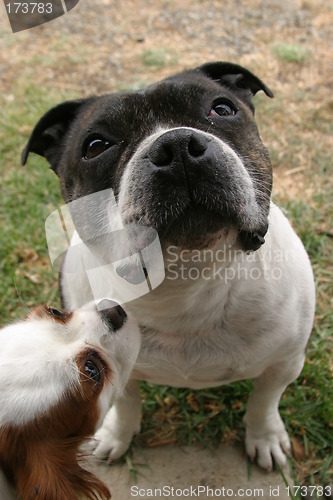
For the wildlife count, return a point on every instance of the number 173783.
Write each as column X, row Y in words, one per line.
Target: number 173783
column 29, row 8
column 310, row 491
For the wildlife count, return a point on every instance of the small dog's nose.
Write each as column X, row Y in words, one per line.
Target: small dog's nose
column 178, row 146
column 115, row 317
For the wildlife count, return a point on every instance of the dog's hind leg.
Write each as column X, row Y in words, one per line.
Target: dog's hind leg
column 266, row 437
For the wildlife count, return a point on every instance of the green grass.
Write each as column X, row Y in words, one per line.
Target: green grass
column 159, row 57
column 308, row 405
column 31, row 193
column 290, row 53
column 132, row 85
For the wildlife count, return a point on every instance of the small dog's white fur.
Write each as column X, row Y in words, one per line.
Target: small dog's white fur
column 39, row 364
column 37, row 361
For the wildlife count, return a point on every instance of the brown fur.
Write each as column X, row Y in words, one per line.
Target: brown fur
column 42, row 459
column 44, row 312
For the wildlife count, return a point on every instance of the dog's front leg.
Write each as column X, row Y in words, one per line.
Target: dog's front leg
column 266, row 437
column 120, row 424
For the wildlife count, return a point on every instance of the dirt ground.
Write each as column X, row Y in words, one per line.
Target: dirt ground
column 190, row 472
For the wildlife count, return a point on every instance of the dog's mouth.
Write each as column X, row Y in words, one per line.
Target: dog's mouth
column 197, row 227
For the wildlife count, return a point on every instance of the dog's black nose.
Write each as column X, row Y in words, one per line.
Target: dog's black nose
column 115, row 317
column 178, row 147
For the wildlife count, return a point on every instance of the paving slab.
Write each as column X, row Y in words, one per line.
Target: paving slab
column 192, row 472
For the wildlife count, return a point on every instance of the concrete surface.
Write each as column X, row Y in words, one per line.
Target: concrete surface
column 191, row 472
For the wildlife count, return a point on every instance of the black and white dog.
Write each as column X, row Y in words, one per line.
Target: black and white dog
column 184, row 157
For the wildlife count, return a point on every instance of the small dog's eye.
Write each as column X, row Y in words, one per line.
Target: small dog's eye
column 57, row 314
column 93, row 371
column 94, row 147
column 224, row 108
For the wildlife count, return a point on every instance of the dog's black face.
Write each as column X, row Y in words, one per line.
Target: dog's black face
column 183, row 156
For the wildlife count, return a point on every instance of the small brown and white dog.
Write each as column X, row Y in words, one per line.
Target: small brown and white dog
column 59, row 373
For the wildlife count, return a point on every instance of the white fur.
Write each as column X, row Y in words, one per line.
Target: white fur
column 37, row 361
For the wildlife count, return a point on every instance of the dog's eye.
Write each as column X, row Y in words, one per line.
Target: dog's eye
column 93, row 371
column 56, row 313
column 223, row 108
column 95, row 146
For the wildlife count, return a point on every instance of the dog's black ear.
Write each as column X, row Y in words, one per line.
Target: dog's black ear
column 50, row 131
column 235, row 77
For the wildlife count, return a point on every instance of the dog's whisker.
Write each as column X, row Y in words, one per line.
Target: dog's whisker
column 20, row 296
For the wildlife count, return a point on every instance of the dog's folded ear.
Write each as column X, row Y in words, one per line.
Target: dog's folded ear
column 48, row 134
column 235, row 77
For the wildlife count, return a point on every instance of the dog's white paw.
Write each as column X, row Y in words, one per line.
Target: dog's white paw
column 268, row 444
column 109, row 447
column 112, row 440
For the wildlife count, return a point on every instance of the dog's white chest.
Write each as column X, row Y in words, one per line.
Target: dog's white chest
column 197, row 362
